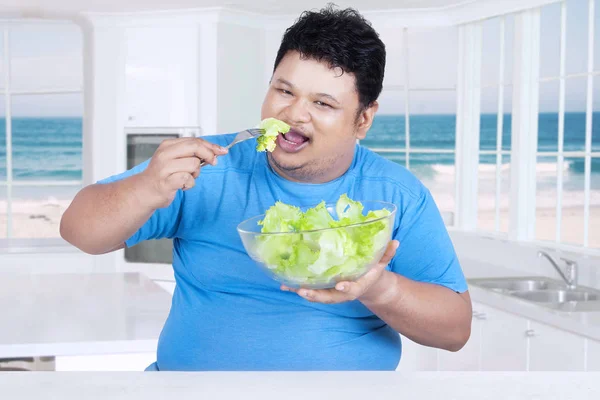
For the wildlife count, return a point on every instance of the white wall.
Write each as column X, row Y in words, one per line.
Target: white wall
column 241, row 83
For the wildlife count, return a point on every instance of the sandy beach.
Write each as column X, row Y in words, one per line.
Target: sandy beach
column 34, row 218
column 571, row 226
column 41, row 219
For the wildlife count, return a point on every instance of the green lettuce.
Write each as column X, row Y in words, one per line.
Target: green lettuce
column 307, row 252
column 273, row 127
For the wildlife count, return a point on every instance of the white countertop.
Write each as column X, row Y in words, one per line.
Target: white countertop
column 75, row 314
column 584, row 323
column 301, row 385
column 111, row 313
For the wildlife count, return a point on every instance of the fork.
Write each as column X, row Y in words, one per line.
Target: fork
column 241, row 137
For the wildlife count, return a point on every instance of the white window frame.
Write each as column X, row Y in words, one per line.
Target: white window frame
column 524, row 148
column 587, row 154
column 8, row 92
column 407, row 150
column 499, row 152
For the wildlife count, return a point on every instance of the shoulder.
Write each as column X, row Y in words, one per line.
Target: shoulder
column 374, row 167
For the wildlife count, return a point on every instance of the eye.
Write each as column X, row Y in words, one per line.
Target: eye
column 283, row 91
column 321, row 104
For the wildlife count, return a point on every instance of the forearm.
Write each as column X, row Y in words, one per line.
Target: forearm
column 102, row 216
column 428, row 314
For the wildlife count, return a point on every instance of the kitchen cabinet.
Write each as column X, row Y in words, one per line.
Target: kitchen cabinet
column 552, row 349
column 416, row 357
column 593, row 355
column 161, row 80
column 503, row 340
column 168, row 286
column 105, row 362
column 468, row 358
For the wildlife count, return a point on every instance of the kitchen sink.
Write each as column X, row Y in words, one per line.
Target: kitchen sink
column 555, row 296
column 546, row 292
column 517, row 284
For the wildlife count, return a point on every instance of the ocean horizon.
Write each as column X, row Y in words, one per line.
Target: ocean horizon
column 50, row 148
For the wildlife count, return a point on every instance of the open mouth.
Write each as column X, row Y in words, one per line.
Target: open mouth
column 295, row 137
column 292, row 141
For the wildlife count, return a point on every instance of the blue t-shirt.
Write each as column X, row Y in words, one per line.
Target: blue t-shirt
column 227, row 314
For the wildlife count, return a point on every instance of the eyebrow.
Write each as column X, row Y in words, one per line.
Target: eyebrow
column 330, row 97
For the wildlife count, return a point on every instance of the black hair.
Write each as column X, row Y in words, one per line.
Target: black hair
column 343, row 39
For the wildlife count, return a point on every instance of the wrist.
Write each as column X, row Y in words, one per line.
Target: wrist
column 382, row 291
column 145, row 193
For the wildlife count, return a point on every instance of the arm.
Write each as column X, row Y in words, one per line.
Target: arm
column 426, row 313
column 424, row 294
column 103, row 216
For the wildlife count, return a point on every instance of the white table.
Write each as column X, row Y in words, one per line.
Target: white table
column 299, row 385
column 77, row 314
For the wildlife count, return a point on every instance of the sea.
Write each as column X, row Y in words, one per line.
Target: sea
column 50, row 149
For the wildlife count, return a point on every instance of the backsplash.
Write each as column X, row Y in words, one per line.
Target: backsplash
column 523, row 257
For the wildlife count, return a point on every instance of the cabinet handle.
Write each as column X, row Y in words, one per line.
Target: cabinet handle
column 530, row 333
column 481, row 316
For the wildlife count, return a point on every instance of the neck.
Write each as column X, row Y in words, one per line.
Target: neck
column 323, row 172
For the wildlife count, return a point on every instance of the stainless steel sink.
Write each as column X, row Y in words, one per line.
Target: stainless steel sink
column 555, row 296
column 517, row 284
column 543, row 291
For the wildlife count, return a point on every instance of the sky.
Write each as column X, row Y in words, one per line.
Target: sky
column 50, row 56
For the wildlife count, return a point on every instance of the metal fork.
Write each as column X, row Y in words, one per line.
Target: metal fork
column 240, row 137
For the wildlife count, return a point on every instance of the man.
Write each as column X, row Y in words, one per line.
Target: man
column 226, row 313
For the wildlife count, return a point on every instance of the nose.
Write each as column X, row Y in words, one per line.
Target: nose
column 297, row 112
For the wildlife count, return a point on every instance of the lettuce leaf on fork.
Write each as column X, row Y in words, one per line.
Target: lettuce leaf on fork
column 273, row 127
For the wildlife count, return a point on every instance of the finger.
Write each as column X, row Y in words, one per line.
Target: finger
column 325, row 296
column 189, row 165
column 189, row 183
column 180, row 180
column 390, row 251
column 194, row 148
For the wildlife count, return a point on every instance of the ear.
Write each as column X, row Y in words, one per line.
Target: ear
column 365, row 120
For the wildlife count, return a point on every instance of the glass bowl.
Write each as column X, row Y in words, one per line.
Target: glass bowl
column 318, row 259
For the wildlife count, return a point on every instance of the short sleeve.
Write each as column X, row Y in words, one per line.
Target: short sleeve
column 426, row 252
column 163, row 223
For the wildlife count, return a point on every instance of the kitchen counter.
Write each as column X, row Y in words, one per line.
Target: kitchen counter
column 584, row 323
column 301, row 385
column 76, row 314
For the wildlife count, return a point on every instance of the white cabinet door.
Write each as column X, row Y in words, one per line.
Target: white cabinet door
column 467, row 358
column 168, row 286
column 161, row 79
column 593, row 355
column 416, row 357
column 503, row 341
column 106, row 362
column 552, row 349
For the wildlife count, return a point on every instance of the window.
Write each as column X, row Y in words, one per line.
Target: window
column 416, row 122
column 41, row 110
column 568, row 152
column 495, row 126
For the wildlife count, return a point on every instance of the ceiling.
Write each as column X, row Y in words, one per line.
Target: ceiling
column 70, row 7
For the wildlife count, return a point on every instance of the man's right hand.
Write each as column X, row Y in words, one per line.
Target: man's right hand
column 176, row 165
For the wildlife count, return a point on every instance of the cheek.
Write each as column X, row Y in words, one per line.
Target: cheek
column 334, row 129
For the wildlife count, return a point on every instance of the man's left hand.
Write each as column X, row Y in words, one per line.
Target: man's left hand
column 349, row 291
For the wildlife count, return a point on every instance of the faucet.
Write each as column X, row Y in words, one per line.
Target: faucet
column 571, row 277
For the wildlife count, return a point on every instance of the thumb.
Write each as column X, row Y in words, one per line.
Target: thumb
column 390, row 251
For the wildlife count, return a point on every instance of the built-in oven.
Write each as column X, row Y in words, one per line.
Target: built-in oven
column 141, row 145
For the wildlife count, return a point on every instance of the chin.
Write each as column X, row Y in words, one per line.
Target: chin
column 287, row 161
